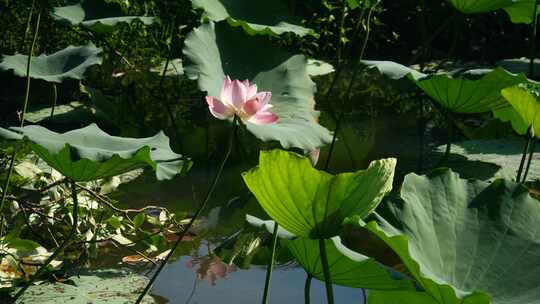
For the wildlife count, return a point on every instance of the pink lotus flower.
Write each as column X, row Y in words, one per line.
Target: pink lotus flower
column 241, row 99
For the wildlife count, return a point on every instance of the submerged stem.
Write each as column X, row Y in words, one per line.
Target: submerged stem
column 307, row 289
column 60, row 248
column 270, row 265
column 326, row 271
column 197, row 213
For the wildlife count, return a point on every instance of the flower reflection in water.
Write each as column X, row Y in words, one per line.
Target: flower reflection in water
column 211, row 267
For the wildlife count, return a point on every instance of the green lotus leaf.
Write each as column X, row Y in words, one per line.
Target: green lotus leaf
column 96, row 287
column 347, row 268
column 399, row 297
column 525, row 99
column 216, row 50
column 97, row 15
column 472, row 91
column 489, row 159
column 520, row 11
column 311, row 203
column 264, row 17
column 70, row 62
column 510, row 115
column 465, row 241
column 89, row 153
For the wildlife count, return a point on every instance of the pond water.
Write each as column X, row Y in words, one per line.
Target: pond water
column 225, row 216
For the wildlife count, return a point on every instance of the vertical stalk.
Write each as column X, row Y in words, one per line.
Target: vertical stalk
column 326, row 271
column 421, row 134
column 61, row 248
column 197, row 213
column 524, row 154
column 270, row 265
column 55, row 99
column 531, row 154
column 307, row 289
column 28, row 24
column 25, row 106
column 533, row 39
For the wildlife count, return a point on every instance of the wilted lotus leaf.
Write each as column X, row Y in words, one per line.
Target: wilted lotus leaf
column 89, row 153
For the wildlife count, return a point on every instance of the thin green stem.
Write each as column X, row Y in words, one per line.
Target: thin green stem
column 307, row 289
column 531, row 154
column 533, row 39
column 270, row 265
column 54, row 99
column 364, row 296
column 348, row 96
column 196, row 215
column 326, row 271
column 25, row 106
column 524, row 154
column 58, row 250
column 28, row 23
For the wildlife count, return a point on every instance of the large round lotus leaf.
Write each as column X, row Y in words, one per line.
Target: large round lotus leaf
column 347, row 268
column 490, row 159
column 70, row 62
column 525, row 99
column 98, row 15
column 466, row 241
column 216, row 50
column 262, row 17
column 109, row 286
column 89, row 153
column 472, row 91
column 520, row 11
column 311, row 203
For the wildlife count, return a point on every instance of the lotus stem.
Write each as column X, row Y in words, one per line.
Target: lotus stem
column 197, row 213
column 531, row 154
column 270, row 265
column 54, row 99
column 60, row 248
column 524, row 154
column 28, row 23
column 364, row 296
column 25, row 106
column 533, row 39
column 349, row 89
column 307, row 289
column 326, row 271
